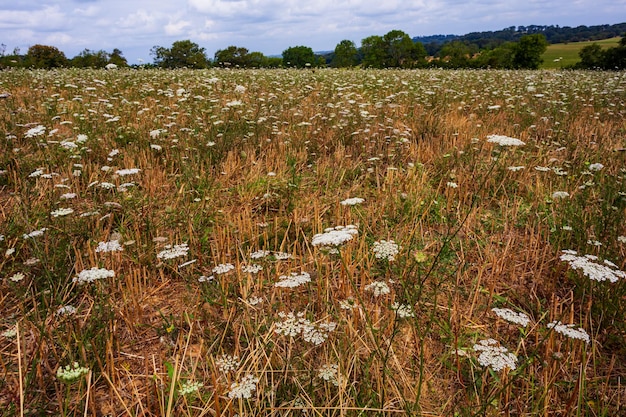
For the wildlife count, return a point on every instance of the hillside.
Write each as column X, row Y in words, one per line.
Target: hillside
column 562, row 55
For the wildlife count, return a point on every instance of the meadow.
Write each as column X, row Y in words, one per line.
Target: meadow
column 320, row 243
column 562, row 55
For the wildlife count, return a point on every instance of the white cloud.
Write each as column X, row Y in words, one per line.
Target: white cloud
column 176, row 28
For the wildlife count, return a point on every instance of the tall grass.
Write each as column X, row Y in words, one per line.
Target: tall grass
column 214, row 183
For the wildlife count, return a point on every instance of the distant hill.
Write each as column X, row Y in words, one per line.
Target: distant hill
column 554, row 34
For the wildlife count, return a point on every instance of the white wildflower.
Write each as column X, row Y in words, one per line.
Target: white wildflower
column 66, row 310
column 35, row 131
column 34, row 233
column 557, row 195
column 9, row 252
column 36, row 173
column 71, row 373
column 293, row 280
column 106, row 185
column 352, row 201
column 494, row 356
column 291, row 325
column 591, row 269
column 240, row 89
column 347, row 304
column 516, row 168
column 156, row 147
column 510, row 315
column 451, row 184
column 171, row 252
column 189, row 387
column 403, row 310
column 223, row 268
column 127, row 171
column 282, row 256
column 596, row 167
column 204, row 278
column 569, row 331
column 17, row 277
column 378, row 288
column 251, row 269
column 62, row 212
column 93, row 274
column 244, row 388
column 542, row 169
column 9, row 333
column 68, row 196
column 384, row 249
column 621, row 239
column 329, row 373
column 227, row 363
column 336, row 236
column 260, row 254
column 111, row 246
column 504, row 140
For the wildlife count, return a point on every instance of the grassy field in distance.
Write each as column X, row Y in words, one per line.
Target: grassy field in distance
column 561, row 55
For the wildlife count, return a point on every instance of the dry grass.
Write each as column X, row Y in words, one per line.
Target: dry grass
column 230, row 173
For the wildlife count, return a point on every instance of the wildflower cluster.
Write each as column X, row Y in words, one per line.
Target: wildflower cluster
column 295, row 324
column 112, row 246
column 511, row 316
column 352, row 201
column 384, row 249
column 293, row 280
column 189, row 387
column 227, row 363
column 378, row 288
column 591, row 268
column 335, row 236
column 171, row 252
column 329, row 373
column 71, row 373
column 93, row 274
column 244, row 388
column 569, row 331
column 504, row 140
column 403, row 310
column 495, row 356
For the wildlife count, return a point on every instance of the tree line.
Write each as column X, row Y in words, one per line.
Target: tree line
column 395, row 49
column 594, row 57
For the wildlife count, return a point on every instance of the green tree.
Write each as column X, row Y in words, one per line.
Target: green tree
column 299, row 57
column 232, row 56
column 528, row 51
column 401, row 51
column 44, row 56
column 374, row 52
column 90, row 59
column 456, row 54
column 117, row 57
column 497, row 58
column 181, row 54
column 346, row 54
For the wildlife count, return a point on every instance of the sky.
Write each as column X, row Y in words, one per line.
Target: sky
column 271, row 26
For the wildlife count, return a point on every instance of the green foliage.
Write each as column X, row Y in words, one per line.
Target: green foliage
column 236, row 56
column 528, row 51
column 457, row 54
column 299, row 57
column 182, row 54
column 594, row 57
column 346, row 54
column 90, row 59
column 44, row 56
column 393, row 50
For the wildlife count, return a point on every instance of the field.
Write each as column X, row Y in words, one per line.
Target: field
column 286, row 243
column 561, row 55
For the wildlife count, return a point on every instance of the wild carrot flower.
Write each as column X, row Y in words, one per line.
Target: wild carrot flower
column 251, row 269
column 17, row 277
column 591, row 268
column 62, row 212
column 34, row 233
column 378, row 288
column 335, row 236
column 189, row 387
column 127, row 171
column 352, row 201
column 35, row 131
column 111, row 246
column 171, row 252
column 403, row 310
column 293, row 280
column 71, row 373
column 227, row 363
column 223, row 268
column 569, row 331
column 510, row 315
column 329, row 373
column 558, row 195
column 93, row 274
column 67, row 310
column 243, row 388
column 595, row 167
column 384, row 249
column 504, row 140
column 495, row 356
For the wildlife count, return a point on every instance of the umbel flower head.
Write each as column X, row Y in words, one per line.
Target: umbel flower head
column 495, row 356
column 71, row 373
column 335, row 236
column 591, row 268
column 504, row 140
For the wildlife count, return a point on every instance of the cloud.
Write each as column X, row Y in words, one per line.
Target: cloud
column 175, row 28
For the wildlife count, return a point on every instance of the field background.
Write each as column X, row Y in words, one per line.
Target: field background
column 562, row 55
column 197, row 192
